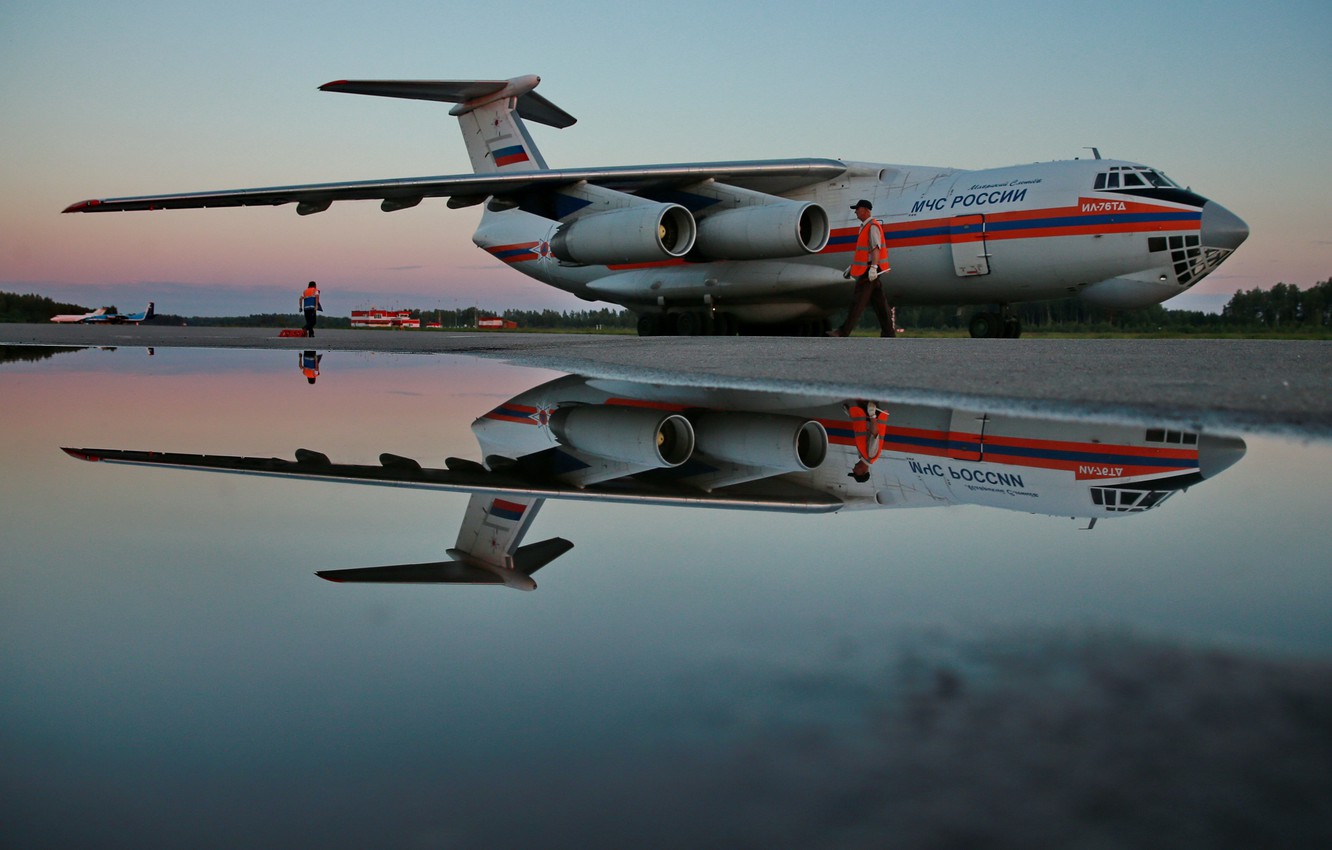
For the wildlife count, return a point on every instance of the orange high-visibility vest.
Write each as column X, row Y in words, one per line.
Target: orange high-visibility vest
column 309, row 298
column 861, row 260
column 869, row 449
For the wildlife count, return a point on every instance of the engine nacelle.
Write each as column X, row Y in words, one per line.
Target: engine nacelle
column 766, row 440
column 638, row 436
column 764, row 231
column 642, row 233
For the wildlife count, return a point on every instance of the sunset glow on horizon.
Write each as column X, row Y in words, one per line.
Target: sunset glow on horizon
column 1227, row 98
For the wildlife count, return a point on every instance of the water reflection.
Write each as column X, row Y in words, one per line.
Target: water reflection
column 852, row 673
column 309, row 364
column 599, row 440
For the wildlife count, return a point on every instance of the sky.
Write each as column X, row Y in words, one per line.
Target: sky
column 1229, row 98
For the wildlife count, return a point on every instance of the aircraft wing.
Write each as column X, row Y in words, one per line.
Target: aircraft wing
column 769, row 176
column 470, row 477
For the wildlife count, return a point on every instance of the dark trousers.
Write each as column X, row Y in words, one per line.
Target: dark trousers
column 868, row 292
column 309, row 321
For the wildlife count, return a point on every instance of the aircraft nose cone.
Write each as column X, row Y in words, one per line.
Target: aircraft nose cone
column 1217, row 454
column 1221, row 228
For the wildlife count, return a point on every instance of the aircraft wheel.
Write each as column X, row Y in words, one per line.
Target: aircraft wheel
column 986, row 325
column 689, row 324
column 649, row 324
column 726, row 325
column 707, row 323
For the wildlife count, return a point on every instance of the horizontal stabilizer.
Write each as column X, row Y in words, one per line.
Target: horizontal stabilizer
column 440, row 572
column 531, row 105
column 528, row 559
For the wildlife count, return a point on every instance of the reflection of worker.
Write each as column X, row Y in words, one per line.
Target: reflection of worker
column 309, row 361
column 309, row 304
column 869, row 264
column 869, row 425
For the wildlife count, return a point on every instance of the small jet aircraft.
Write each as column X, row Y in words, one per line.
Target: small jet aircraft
column 761, row 246
column 101, row 317
column 598, row 440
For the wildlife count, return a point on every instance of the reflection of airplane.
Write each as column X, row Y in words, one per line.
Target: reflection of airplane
column 101, row 317
column 704, row 248
column 619, row 441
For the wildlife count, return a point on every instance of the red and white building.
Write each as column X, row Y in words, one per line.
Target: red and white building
column 376, row 318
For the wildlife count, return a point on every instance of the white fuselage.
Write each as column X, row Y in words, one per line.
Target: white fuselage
column 994, row 236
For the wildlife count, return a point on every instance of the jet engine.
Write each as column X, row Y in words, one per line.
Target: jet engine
column 637, row 436
column 784, row 229
column 770, row 441
column 642, row 233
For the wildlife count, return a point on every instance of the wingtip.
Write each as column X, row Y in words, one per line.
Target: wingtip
column 82, row 206
column 80, row 454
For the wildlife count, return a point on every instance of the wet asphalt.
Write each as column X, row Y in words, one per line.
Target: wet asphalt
column 1238, row 385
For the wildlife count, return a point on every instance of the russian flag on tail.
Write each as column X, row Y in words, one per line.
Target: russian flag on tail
column 507, row 510
column 510, row 155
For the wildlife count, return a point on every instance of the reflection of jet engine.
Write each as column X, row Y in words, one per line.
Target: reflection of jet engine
column 769, row 441
column 638, row 436
column 764, row 231
column 642, row 233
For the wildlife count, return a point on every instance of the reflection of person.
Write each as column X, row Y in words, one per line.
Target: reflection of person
column 869, row 264
column 869, row 425
column 309, row 304
column 309, row 361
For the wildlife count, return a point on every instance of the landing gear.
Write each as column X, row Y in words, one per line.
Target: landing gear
column 688, row 323
column 989, row 324
column 650, row 324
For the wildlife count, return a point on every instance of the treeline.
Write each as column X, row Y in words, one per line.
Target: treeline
column 254, row 320
column 35, row 308
column 606, row 318
column 1284, row 307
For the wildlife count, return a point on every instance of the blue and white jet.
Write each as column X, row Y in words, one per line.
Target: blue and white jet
column 100, row 316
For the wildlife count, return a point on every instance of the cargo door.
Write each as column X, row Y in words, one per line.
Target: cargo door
column 971, row 256
column 966, row 435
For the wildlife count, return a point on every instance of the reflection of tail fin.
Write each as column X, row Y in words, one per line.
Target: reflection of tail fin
column 491, row 113
column 487, row 551
column 527, row 560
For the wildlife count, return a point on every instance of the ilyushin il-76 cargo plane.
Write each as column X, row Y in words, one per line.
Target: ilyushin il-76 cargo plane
column 600, row 440
column 761, row 246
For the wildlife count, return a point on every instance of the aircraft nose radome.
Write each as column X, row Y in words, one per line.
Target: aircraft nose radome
column 1217, row 454
column 1221, row 228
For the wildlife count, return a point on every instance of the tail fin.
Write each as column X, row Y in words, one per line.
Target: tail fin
column 491, row 113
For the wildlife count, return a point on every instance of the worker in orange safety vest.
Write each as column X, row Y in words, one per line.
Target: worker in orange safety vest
column 869, row 264
column 309, row 304
column 869, row 425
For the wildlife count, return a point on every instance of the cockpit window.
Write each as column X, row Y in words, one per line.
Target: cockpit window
column 1159, row 180
column 1127, row 176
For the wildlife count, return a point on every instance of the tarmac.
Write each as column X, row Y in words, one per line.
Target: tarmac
column 1278, row 386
